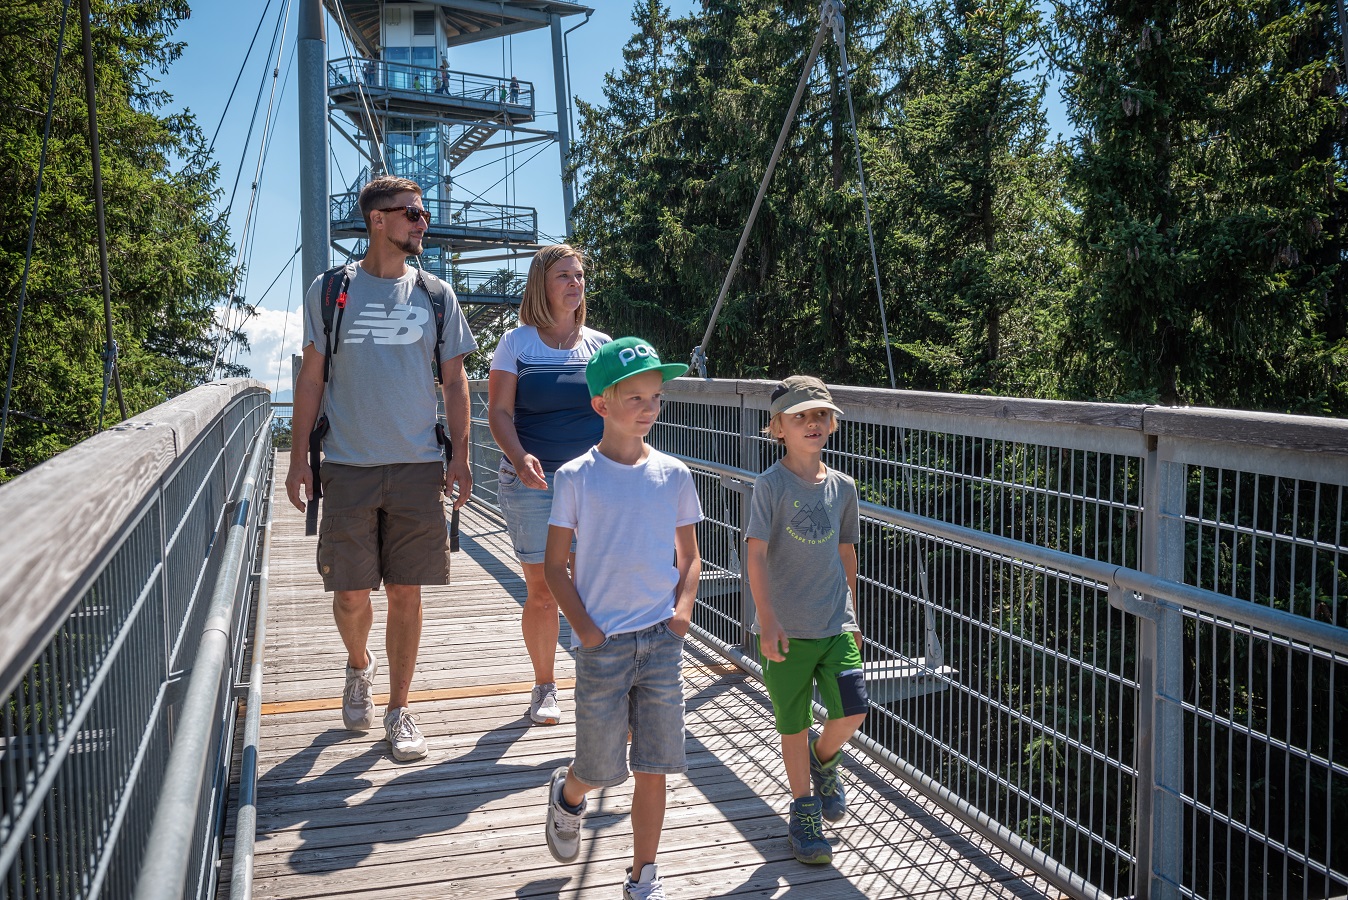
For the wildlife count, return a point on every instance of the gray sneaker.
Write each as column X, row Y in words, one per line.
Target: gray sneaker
column 406, row 739
column 647, row 887
column 543, row 708
column 358, row 696
column 563, row 826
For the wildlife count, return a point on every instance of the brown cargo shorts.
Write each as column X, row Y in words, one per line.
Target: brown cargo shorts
column 383, row 522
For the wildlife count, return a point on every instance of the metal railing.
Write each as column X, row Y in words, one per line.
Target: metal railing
column 463, row 218
column 485, row 91
column 126, row 568
column 1109, row 637
column 474, row 286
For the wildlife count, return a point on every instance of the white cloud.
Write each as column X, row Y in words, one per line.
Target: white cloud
column 275, row 335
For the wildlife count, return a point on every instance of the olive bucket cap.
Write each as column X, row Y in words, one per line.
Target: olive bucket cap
column 799, row 393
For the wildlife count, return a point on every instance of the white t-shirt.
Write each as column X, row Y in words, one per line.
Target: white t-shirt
column 624, row 518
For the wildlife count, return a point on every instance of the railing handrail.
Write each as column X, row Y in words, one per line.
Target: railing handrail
column 1121, row 584
column 433, row 70
column 1147, row 587
column 1275, row 431
column 59, row 521
column 464, row 204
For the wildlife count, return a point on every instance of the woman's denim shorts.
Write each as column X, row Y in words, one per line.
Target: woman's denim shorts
column 526, row 512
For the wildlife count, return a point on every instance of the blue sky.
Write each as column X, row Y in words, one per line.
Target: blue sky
column 216, row 38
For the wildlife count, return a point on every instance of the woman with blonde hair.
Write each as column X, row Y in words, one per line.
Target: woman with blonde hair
column 539, row 409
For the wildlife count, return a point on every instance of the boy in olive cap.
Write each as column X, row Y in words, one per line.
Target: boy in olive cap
column 632, row 509
column 802, row 564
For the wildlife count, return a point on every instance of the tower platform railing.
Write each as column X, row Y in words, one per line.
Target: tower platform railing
column 453, row 223
column 407, row 88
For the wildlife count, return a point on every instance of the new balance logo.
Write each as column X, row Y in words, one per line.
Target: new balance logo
column 399, row 325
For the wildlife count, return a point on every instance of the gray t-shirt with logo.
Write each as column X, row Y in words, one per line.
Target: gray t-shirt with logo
column 803, row 525
column 380, row 398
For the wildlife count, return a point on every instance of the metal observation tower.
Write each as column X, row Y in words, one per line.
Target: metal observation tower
column 401, row 102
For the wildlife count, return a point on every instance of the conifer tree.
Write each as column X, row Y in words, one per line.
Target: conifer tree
column 692, row 169
column 1211, row 183
column 978, row 252
column 168, row 254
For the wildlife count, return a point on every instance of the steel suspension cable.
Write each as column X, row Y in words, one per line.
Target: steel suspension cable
column 257, row 104
column 239, row 77
column 343, row 26
column 110, row 369
column 833, row 17
column 290, row 296
column 257, row 217
column 699, row 361
column 32, row 224
column 830, row 20
column 226, row 317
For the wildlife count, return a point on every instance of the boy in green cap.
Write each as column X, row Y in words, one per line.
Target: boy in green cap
column 631, row 509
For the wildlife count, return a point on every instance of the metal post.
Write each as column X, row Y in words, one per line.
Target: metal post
column 1160, row 839
column 563, row 126
column 315, row 224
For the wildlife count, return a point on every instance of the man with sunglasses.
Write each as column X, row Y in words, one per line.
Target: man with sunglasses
column 383, row 478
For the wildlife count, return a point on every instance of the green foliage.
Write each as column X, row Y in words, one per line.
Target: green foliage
column 1210, row 179
column 1186, row 246
column 977, row 253
column 673, row 162
column 167, row 253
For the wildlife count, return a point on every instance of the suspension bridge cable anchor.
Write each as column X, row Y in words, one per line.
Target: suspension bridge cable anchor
column 831, row 17
column 699, row 361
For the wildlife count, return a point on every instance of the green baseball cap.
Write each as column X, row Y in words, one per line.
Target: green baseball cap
column 624, row 358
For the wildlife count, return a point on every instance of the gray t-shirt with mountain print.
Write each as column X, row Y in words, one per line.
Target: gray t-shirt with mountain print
column 803, row 525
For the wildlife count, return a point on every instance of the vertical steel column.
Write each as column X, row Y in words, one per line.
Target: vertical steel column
column 563, row 124
column 315, row 223
column 1159, row 821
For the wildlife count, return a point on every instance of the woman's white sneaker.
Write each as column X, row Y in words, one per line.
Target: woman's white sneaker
column 543, row 708
column 646, row 887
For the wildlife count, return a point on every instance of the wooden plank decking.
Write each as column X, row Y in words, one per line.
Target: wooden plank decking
column 337, row 815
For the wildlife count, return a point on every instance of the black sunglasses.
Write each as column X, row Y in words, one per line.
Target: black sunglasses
column 412, row 212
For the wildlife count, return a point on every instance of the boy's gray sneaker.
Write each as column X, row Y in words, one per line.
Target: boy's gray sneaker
column 805, row 831
column 543, row 708
column 406, row 739
column 647, row 887
column 358, row 696
column 824, row 776
column 563, row 828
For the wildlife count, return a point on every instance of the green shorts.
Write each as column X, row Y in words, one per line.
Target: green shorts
column 832, row 664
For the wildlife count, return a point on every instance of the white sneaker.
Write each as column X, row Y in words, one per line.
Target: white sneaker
column 406, row 739
column 543, row 708
column 563, row 828
column 358, row 696
column 647, row 887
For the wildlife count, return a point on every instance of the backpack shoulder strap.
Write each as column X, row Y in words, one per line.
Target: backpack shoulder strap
column 332, row 295
column 440, row 293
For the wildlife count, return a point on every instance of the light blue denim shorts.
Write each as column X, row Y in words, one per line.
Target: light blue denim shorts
column 630, row 681
column 526, row 512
